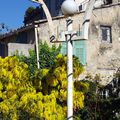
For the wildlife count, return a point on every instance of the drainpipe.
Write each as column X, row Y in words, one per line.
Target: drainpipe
column 37, row 46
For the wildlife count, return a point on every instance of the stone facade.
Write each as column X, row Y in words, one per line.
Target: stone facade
column 102, row 47
column 23, row 35
column 21, row 49
column 102, row 56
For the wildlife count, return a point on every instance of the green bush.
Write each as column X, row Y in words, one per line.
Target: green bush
column 47, row 55
column 99, row 108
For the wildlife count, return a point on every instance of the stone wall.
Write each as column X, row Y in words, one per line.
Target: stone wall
column 102, row 57
column 19, row 48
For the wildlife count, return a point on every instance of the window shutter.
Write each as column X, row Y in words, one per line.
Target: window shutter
column 79, row 50
column 63, row 48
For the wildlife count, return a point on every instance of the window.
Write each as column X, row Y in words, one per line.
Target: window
column 79, row 50
column 22, row 37
column 80, row 8
column 106, row 33
column 107, row 2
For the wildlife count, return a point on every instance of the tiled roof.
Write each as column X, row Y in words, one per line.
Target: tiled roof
column 19, row 30
column 27, row 27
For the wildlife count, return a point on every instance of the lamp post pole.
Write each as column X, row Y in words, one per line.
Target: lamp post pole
column 69, row 8
column 69, row 71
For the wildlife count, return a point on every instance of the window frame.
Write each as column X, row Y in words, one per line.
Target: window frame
column 108, row 33
column 80, row 7
column 108, row 2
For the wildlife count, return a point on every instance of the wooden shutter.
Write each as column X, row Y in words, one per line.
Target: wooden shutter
column 79, row 50
column 63, row 48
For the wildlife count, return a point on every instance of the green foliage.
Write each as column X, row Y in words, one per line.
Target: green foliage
column 29, row 15
column 46, row 54
column 29, row 11
column 30, row 61
column 32, row 14
column 96, row 107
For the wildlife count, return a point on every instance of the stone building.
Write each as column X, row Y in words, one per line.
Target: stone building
column 100, row 54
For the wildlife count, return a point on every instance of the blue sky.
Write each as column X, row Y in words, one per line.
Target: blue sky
column 12, row 12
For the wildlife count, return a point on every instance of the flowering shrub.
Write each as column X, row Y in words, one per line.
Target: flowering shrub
column 54, row 81
column 42, row 106
column 42, row 98
column 14, row 82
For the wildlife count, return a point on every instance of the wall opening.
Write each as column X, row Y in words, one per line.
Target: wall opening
column 107, row 2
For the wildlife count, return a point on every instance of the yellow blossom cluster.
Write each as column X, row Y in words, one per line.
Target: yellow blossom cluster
column 40, row 98
column 14, row 82
column 54, row 81
column 42, row 106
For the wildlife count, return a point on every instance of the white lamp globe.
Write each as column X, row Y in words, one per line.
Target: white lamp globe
column 69, row 7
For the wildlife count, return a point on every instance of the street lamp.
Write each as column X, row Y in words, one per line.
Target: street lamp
column 69, row 8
